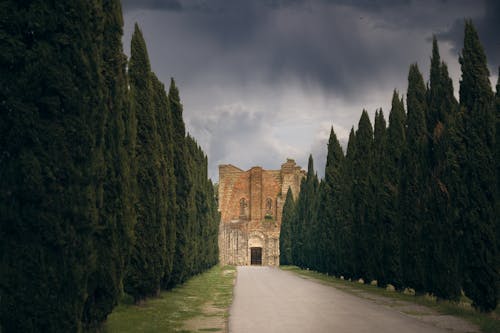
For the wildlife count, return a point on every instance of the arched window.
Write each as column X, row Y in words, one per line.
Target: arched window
column 269, row 206
column 243, row 206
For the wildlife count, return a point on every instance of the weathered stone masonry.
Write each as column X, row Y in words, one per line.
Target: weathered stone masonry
column 251, row 203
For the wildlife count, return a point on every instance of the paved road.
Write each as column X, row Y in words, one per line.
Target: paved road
column 271, row 300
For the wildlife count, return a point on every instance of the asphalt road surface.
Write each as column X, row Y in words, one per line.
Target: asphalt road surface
column 271, row 300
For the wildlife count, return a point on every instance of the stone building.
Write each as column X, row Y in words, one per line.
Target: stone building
column 251, row 204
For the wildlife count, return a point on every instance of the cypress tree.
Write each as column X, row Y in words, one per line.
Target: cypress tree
column 379, row 215
column 441, row 264
column 213, row 228
column 362, row 195
column 166, row 169
column 113, row 238
column 182, row 189
column 396, row 144
column 480, row 277
column 306, row 217
column 51, row 99
column 285, row 231
column 346, row 258
column 197, row 206
column 147, row 262
column 497, row 163
column 413, row 183
column 330, row 206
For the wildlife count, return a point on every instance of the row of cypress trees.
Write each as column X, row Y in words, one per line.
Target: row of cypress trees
column 101, row 189
column 415, row 203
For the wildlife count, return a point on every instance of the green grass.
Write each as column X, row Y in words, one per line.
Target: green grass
column 207, row 295
column 487, row 322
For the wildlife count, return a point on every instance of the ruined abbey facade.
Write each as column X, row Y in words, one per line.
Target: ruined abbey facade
column 251, row 204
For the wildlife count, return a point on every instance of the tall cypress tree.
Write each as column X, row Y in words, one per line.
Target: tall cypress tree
column 166, row 170
column 285, row 231
column 330, row 206
column 396, row 144
column 50, row 121
column 346, row 260
column 413, row 183
column 480, row 278
column 113, row 238
column 379, row 215
column 362, row 196
column 306, row 217
column 147, row 262
column 197, row 207
column 441, row 264
column 183, row 187
column 497, row 163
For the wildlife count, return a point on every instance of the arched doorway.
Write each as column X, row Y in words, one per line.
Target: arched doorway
column 255, row 256
column 256, row 253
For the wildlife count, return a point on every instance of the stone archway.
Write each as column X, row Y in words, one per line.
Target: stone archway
column 256, row 248
column 256, row 256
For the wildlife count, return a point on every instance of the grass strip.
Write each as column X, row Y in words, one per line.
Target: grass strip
column 201, row 298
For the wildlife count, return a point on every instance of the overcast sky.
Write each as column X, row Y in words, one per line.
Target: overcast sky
column 263, row 80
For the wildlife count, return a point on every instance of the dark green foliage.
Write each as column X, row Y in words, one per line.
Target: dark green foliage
column 413, row 184
column 478, row 219
column 83, row 159
column 497, row 163
column 205, row 219
column 346, row 262
column 363, row 230
column 167, row 178
column 330, row 209
column 305, row 220
column 390, row 183
column 285, row 231
column 182, row 258
column 147, row 262
column 440, row 233
column 112, row 240
column 51, row 127
column 381, row 219
column 414, row 204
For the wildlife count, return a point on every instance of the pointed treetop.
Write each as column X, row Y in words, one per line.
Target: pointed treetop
column 380, row 124
column 435, row 50
column 310, row 167
column 435, row 74
column 289, row 196
column 416, row 102
column 138, row 50
column 332, row 140
column 351, row 143
column 335, row 156
column 365, row 128
column 397, row 118
column 475, row 87
column 173, row 91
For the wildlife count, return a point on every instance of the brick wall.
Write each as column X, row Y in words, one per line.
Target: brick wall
column 251, row 204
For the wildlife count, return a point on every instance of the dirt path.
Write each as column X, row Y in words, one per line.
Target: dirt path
column 271, row 300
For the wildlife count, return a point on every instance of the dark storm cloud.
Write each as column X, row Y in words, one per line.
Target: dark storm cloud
column 263, row 80
column 331, row 43
column 151, row 5
column 487, row 25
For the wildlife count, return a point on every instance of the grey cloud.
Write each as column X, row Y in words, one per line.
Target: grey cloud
column 332, row 43
column 173, row 5
column 351, row 52
column 487, row 26
column 234, row 134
